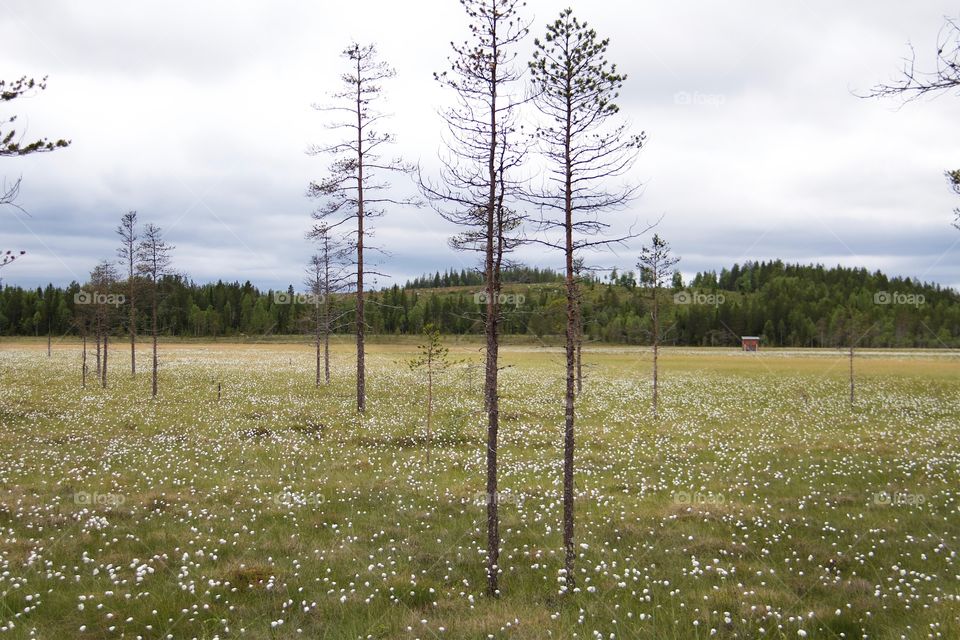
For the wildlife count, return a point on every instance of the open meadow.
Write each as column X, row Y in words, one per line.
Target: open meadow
column 759, row 503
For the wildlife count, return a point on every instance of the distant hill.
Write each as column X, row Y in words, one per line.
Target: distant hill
column 785, row 304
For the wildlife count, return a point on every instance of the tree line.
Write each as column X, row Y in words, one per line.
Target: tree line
column 788, row 305
column 517, row 274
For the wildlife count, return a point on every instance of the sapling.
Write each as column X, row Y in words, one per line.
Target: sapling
column 433, row 358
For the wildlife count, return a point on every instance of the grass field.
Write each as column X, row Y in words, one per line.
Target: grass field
column 760, row 504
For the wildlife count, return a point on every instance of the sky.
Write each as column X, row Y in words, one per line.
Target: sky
column 198, row 116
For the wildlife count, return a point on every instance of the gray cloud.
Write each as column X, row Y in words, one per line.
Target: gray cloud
column 198, row 115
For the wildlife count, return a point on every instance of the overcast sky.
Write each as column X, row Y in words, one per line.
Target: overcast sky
column 198, row 115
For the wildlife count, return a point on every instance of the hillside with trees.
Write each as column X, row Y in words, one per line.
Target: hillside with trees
column 788, row 305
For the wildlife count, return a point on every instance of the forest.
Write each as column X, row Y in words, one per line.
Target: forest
column 787, row 305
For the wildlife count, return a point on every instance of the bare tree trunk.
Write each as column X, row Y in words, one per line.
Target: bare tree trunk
column 429, row 408
column 851, row 374
column 318, row 340
column 83, row 363
column 656, row 348
column 568, row 433
column 579, row 354
column 316, row 381
column 491, row 392
column 153, row 330
column 572, row 313
column 131, row 291
column 103, row 373
column 133, row 336
column 361, row 373
column 361, row 376
column 98, row 348
column 325, row 308
column 326, row 354
column 48, row 341
column 493, row 426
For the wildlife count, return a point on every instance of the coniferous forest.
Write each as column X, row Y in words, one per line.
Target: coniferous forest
column 787, row 305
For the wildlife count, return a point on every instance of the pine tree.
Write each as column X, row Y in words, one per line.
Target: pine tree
column 656, row 265
column 127, row 252
column 432, row 358
column 352, row 191
column 154, row 263
column 575, row 89
column 326, row 274
column 476, row 189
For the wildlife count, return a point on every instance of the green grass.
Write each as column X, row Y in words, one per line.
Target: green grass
column 758, row 500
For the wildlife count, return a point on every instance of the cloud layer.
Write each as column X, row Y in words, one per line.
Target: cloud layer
column 198, row 116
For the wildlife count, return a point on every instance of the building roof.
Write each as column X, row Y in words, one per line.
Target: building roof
column 749, row 337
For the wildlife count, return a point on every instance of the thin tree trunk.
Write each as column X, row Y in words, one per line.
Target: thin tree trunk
column 133, row 318
column 153, row 330
column 318, row 337
column 98, row 348
column 83, row 363
column 326, row 355
column 656, row 346
column 326, row 308
column 851, row 375
column 656, row 349
column 317, row 375
column 491, row 395
column 493, row 426
column 103, row 373
column 361, row 377
column 48, row 341
column 361, row 374
column 133, row 340
column 429, row 408
column 579, row 354
column 569, row 414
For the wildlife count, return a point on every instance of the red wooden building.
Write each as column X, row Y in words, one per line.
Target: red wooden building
column 750, row 343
